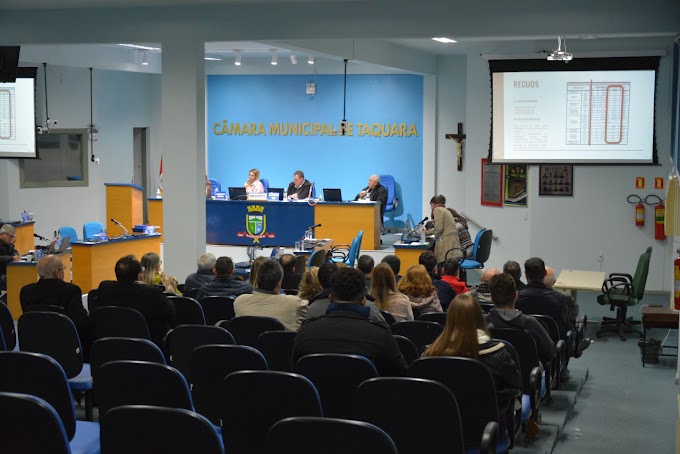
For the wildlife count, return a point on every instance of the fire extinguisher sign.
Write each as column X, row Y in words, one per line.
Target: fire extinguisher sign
column 658, row 183
column 639, row 182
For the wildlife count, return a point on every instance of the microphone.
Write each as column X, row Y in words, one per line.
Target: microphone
column 35, row 235
column 314, row 226
column 120, row 225
column 311, row 187
column 425, row 219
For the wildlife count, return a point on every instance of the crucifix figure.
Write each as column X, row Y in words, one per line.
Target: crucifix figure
column 459, row 138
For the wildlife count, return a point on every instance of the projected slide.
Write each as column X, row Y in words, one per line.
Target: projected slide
column 17, row 119
column 8, row 114
column 573, row 116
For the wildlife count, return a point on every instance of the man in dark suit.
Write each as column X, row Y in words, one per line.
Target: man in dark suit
column 299, row 188
column 51, row 289
column 128, row 291
column 291, row 279
column 374, row 192
column 7, row 251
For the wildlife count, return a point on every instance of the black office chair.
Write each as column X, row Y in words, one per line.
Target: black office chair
column 336, row 376
column 389, row 318
column 45, row 308
column 313, row 435
column 9, row 335
column 216, row 308
column 247, row 329
column 111, row 321
column 109, row 349
column 210, row 364
column 430, row 411
column 277, row 348
column 187, row 311
column 181, row 342
column 437, row 317
column 257, row 400
column 191, row 293
column 561, row 352
column 144, row 428
column 420, row 332
column 22, row 417
column 407, row 348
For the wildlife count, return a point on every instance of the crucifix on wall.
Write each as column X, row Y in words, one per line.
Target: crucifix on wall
column 459, row 138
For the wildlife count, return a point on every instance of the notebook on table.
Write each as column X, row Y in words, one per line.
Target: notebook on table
column 332, row 195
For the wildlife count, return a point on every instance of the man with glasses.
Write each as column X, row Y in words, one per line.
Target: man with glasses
column 7, row 252
column 51, row 289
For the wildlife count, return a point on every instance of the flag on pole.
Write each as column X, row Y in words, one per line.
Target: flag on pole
column 160, row 179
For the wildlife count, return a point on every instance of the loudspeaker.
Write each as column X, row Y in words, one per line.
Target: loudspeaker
column 9, row 62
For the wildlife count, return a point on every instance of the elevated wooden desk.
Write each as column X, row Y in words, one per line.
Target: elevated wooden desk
column 409, row 254
column 95, row 262
column 155, row 213
column 24, row 273
column 342, row 222
column 124, row 204
column 24, row 237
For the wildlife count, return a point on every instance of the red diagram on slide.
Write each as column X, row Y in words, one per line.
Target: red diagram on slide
column 597, row 113
column 7, row 114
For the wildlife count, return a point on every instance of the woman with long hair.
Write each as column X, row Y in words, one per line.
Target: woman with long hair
column 253, row 270
column 309, row 285
column 417, row 286
column 387, row 297
column 254, row 184
column 466, row 335
column 152, row 274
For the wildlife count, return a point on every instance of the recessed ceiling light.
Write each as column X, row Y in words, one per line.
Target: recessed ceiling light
column 139, row 46
column 211, row 59
column 311, row 60
column 445, row 40
column 275, row 58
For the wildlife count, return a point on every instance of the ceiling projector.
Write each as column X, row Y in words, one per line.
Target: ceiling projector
column 559, row 54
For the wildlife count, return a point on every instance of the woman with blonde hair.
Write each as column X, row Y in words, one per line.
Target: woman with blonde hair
column 417, row 286
column 152, row 274
column 254, row 184
column 466, row 335
column 253, row 270
column 387, row 297
column 310, row 285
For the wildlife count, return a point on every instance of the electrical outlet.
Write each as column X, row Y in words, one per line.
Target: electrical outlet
column 600, row 257
column 96, row 161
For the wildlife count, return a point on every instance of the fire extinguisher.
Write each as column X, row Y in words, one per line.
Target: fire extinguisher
column 639, row 210
column 676, row 282
column 659, row 215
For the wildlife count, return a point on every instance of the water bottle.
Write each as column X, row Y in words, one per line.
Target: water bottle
column 422, row 234
column 158, row 193
column 24, row 216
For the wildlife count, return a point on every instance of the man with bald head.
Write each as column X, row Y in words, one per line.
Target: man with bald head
column 51, row 289
column 568, row 300
column 374, row 192
column 481, row 292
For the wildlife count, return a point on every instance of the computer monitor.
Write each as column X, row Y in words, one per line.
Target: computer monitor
column 332, row 195
column 279, row 191
column 237, row 193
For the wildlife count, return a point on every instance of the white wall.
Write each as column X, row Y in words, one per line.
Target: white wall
column 569, row 232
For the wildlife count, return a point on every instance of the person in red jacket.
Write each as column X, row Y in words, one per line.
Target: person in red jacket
column 451, row 271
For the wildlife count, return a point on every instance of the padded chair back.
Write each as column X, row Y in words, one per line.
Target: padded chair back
column 181, row 342
column 192, row 292
column 277, row 348
column 388, row 182
column 110, row 349
column 41, row 376
column 437, row 317
column 420, row 332
column 525, row 346
column 23, row 417
column 215, row 186
column 265, row 183
column 407, row 348
column 430, row 408
column 9, row 334
column 257, row 400
column 68, row 231
column 389, row 318
column 327, row 435
column 54, row 335
column 90, row 229
column 641, row 272
column 336, row 377
column 471, row 383
column 317, row 258
column 45, row 308
column 486, row 307
column 187, row 311
column 92, row 300
column 313, row 190
column 111, row 321
column 248, row 328
column 216, row 308
column 480, row 251
column 145, row 428
column 141, row 383
column 300, row 263
column 210, row 364
column 357, row 251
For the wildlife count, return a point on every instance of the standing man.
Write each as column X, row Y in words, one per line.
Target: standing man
column 299, row 188
column 7, row 252
column 374, row 192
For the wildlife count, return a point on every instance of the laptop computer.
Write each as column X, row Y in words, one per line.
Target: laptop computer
column 237, row 193
column 332, row 195
column 54, row 249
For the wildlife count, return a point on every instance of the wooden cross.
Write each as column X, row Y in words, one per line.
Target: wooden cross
column 459, row 138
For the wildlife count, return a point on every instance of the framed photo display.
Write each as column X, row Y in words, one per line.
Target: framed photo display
column 556, row 180
column 492, row 184
column 515, row 185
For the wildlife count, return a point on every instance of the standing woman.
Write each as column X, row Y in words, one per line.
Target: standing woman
column 445, row 231
column 387, row 297
column 463, row 233
column 417, row 286
column 254, row 184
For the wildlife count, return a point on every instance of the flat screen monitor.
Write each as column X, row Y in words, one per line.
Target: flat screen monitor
column 237, row 193
column 332, row 195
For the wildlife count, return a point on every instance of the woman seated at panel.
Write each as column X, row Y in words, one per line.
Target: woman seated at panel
column 387, row 297
column 254, row 184
column 417, row 286
column 152, row 274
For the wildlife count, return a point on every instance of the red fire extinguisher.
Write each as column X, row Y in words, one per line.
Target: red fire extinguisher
column 659, row 219
column 676, row 283
column 639, row 209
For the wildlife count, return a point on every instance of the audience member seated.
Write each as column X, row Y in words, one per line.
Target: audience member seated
column 253, row 184
column 481, row 292
column 365, row 264
column 309, row 286
column 572, row 306
column 347, row 328
column 444, row 291
column 152, row 274
column 128, row 290
column 299, row 188
column 51, row 289
column 387, row 297
column 374, row 192
column 321, row 301
column 417, row 286
column 450, row 275
column 465, row 334
column 203, row 274
column 513, row 269
column 265, row 301
column 504, row 315
column 291, row 279
column 395, row 263
column 253, row 270
column 535, row 298
column 7, row 252
column 225, row 283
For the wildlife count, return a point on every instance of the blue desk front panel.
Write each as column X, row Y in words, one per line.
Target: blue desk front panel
column 245, row 223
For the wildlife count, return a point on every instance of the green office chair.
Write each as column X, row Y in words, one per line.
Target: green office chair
column 621, row 290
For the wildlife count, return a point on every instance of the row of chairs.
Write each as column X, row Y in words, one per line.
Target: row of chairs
column 89, row 230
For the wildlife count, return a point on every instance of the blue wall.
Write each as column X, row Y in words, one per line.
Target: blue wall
column 329, row 161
